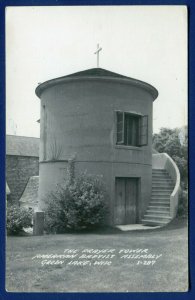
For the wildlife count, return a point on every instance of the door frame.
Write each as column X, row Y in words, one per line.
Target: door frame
column 138, row 202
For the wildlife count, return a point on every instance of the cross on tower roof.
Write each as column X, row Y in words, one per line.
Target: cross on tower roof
column 97, row 52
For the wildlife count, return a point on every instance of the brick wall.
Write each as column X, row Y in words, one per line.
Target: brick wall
column 18, row 170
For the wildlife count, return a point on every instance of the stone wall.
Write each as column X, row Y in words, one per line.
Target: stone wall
column 18, row 171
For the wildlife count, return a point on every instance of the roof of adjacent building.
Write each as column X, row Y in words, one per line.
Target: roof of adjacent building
column 30, row 194
column 96, row 73
column 22, row 145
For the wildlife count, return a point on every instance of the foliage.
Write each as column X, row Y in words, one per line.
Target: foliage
column 17, row 219
column 76, row 204
column 183, row 204
column 175, row 143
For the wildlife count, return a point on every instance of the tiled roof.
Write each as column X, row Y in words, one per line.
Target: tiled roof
column 30, row 194
column 22, row 145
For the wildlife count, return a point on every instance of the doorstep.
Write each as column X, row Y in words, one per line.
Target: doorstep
column 133, row 227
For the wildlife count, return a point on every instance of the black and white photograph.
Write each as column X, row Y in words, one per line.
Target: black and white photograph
column 96, row 149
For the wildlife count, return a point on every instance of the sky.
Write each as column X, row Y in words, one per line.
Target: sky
column 148, row 43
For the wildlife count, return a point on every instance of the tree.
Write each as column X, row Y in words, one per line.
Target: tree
column 175, row 143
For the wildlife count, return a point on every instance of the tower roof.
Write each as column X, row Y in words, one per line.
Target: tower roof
column 96, row 73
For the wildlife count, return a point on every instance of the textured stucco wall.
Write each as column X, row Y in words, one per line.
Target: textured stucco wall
column 50, row 175
column 18, row 171
column 80, row 118
column 111, row 170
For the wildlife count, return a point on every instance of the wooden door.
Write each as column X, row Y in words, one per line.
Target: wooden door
column 126, row 200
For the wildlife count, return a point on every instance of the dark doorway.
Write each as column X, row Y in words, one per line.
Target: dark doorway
column 126, row 200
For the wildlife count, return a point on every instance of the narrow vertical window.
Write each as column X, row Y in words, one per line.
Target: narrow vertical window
column 131, row 130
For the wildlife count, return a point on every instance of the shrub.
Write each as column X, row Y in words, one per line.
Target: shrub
column 183, row 204
column 183, row 169
column 76, row 204
column 17, row 219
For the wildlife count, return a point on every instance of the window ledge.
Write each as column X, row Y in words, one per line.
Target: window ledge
column 128, row 147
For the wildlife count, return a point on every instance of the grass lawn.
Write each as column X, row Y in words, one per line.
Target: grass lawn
column 168, row 273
